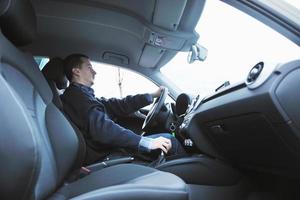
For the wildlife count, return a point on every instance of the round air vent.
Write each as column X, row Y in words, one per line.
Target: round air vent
column 254, row 73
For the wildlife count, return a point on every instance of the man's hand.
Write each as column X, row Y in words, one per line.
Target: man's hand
column 161, row 143
column 158, row 92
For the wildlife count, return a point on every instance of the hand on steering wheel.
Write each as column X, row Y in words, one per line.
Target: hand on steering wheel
column 154, row 111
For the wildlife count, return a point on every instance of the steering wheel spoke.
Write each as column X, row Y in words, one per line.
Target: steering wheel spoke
column 154, row 110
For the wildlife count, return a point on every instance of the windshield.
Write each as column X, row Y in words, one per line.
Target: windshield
column 293, row 3
column 235, row 43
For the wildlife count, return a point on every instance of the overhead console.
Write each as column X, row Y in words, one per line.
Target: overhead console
column 255, row 124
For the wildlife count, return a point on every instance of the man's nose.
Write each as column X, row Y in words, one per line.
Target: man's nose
column 94, row 72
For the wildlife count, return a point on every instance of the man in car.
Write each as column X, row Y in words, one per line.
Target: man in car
column 93, row 115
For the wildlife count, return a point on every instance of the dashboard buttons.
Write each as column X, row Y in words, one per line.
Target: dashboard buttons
column 188, row 143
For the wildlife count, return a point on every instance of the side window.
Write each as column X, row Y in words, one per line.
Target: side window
column 41, row 61
column 111, row 81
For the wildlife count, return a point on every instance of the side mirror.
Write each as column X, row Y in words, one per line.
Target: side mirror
column 197, row 52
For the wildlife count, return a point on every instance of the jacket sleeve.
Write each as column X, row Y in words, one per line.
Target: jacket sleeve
column 127, row 105
column 103, row 130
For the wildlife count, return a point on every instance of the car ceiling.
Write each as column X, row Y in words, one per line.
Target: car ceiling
column 140, row 34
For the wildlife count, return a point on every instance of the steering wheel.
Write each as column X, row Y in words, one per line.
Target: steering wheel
column 154, row 111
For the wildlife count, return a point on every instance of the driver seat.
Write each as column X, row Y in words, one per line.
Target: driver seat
column 38, row 146
column 53, row 71
column 54, row 74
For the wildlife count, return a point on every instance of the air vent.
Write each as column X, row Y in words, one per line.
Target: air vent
column 254, row 73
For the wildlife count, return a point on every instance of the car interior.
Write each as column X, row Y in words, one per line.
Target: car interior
column 242, row 140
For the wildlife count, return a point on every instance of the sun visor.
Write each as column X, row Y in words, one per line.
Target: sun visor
column 168, row 13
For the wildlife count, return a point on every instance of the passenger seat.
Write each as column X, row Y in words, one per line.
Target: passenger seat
column 38, row 146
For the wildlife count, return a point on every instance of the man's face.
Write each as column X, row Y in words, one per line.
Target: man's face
column 86, row 72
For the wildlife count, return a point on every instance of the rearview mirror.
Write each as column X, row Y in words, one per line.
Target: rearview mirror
column 197, row 52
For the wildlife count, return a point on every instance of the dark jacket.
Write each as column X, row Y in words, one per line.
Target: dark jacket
column 93, row 116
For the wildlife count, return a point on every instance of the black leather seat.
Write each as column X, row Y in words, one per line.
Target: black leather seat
column 38, row 146
column 55, row 76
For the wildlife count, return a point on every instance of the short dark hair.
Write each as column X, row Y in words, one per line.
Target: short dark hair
column 73, row 61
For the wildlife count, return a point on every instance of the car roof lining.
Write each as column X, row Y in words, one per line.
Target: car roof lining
column 119, row 27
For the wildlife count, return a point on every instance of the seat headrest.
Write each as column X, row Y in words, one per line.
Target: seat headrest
column 54, row 71
column 18, row 21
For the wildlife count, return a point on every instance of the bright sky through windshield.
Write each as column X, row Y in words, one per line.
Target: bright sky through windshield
column 235, row 43
column 295, row 3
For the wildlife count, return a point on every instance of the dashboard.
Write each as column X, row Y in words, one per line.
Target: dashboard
column 254, row 124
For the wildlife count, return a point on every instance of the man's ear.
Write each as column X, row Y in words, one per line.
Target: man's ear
column 75, row 71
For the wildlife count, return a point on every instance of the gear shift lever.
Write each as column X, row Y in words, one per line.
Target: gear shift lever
column 160, row 160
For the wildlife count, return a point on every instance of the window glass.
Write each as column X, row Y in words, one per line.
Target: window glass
column 235, row 43
column 293, row 3
column 41, row 61
column 111, row 81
